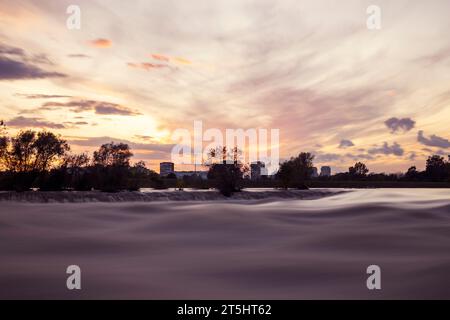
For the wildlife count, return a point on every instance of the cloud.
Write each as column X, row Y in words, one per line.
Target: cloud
column 433, row 141
column 75, row 124
column 160, row 57
column 437, row 57
column 327, row 157
column 162, row 61
column 99, row 107
column 40, row 58
column 16, row 64
column 333, row 157
column 395, row 149
column 4, row 49
column 412, row 156
column 147, row 66
column 22, row 122
column 318, row 109
column 396, row 124
column 78, row 55
column 16, row 52
column 153, row 155
column 113, row 109
column 98, row 141
column 145, row 138
column 100, row 43
column 164, row 58
column 345, row 144
column 17, row 70
column 182, row 60
column 441, row 153
column 41, row 96
column 78, row 123
column 357, row 157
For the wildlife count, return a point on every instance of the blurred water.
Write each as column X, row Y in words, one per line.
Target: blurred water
column 294, row 249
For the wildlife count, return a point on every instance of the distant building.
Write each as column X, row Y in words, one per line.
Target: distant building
column 257, row 169
column 202, row 174
column 165, row 168
column 314, row 173
column 325, row 171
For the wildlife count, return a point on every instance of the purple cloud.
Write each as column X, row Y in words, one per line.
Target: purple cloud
column 23, row 122
column 396, row 124
column 16, row 64
column 395, row 149
column 100, row 107
column 78, row 55
column 97, row 141
column 345, row 144
column 17, row 70
column 433, row 141
column 4, row 49
column 327, row 157
column 40, row 96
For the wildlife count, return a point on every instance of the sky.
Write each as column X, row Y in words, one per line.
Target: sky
column 138, row 70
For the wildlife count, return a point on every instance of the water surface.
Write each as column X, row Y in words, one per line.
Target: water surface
column 293, row 249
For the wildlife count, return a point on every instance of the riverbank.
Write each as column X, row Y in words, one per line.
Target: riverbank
column 149, row 195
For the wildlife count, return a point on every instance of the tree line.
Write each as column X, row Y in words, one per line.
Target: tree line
column 437, row 169
column 43, row 160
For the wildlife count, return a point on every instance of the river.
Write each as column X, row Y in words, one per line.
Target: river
column 248, row 249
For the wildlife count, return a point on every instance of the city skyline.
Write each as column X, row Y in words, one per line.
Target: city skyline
column 312, row 69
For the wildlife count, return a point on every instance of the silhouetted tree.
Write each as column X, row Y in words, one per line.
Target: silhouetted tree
column 112, row 163
column 32, row 151
column 195, row 181
column 227, row 176
column 140, row 175
column 49, row 148
column 171, row 175
column 285, row 174
column 412, row 174
column 79, row 174
column 436, row 168
column 294, row 172
column 111, row 154
column 30, row 155
column 359, row 170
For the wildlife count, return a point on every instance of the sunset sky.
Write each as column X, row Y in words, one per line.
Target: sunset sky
column 137, row 70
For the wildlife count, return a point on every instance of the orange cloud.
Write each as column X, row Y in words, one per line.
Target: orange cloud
column 182, row 60
column 160, row 57
column 147, row 66
column 101, row 43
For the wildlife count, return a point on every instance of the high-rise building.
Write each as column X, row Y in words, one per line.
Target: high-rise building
column 165, row 168
column 325, row 171
column 314, row 173
column 257, row 169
